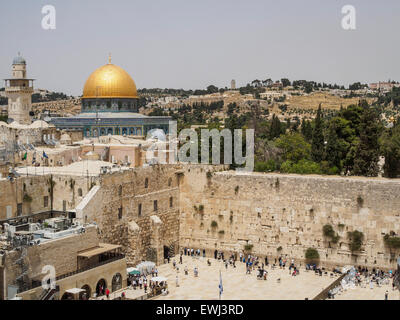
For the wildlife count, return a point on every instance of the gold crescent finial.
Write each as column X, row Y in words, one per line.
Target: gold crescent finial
column 109, row 58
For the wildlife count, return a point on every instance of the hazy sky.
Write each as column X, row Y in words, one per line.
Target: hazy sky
column 191, row 44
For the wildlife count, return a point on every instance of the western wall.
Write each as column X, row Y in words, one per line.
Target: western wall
column 156, row 210
column 278, row 214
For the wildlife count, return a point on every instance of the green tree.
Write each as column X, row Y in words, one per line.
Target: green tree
column 294, row 147
column 275, row 128
column 317, row 144
column 390, row 147
column 333, row 150
column 367, row 151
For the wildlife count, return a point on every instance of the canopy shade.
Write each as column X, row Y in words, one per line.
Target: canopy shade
column 102, row 248
column 133, row 271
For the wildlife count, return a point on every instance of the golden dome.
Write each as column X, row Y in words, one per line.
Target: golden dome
column 110, row 81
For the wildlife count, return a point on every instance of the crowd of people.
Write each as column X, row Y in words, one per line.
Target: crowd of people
column 364, row 278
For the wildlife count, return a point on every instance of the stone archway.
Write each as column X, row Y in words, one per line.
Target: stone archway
column 101, row 287
column 67, row 296
column 88, row 292
column 116, row 282
column 166, row 252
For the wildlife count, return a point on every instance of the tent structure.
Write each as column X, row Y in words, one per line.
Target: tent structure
column 145, row 267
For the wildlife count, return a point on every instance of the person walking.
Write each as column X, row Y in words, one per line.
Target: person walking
column 108, row 293
column 386, row 295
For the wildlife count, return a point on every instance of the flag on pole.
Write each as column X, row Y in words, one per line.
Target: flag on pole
column 221, row 288
column 25, row 156
column 45, row 155
column 34, row 158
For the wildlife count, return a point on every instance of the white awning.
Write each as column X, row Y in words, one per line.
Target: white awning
column 75, row 290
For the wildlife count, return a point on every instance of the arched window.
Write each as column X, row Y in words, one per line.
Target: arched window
column 155, row 204
column 80, row 192
column 171, row 202
column 139, row 210
column 146, row 183
column 169, row 182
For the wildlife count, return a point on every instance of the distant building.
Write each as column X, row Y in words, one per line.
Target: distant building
column 233, row 84
column 19, row 91
column 110, row 107
column 384, row 86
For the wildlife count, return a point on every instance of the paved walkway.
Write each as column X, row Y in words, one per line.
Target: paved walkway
column 236, row 284
column 377, row 293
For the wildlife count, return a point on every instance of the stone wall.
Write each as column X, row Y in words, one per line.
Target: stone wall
column 144, row 232
column 70, row 189
column 288, row 212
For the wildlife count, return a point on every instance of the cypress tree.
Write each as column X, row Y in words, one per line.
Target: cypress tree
column 275, row 129
column 317, row 143
column 367, row 151
column 333, row 152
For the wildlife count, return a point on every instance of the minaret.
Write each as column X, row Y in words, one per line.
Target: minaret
column 19, row 91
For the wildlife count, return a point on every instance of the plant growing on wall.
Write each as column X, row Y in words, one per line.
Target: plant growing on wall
column 72, row 187
column 392, row 241
column 248, row 247
column 312, row 255
column 356, row 239
column 51, row 184
column 209, row 174
column 27, row 198
column 201, row 208
column 328, row 232
column 236, row 189
column 279, row 249
column 214, row 224
column 360, row 201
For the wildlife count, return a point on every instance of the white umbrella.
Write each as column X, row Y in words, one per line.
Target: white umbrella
column 158, row 279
